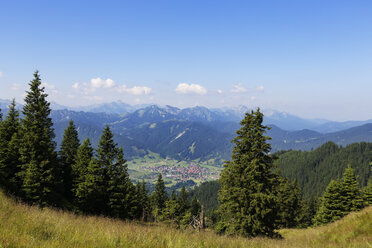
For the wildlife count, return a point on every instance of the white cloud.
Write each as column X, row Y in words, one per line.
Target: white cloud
column 219, row 91
column 252, row 98
column 95, row 83
column 238, row 88
column 184, row 88
column 50, row 87
column 260, row 88
column 101, row 83
column 83, row 88
column 135, row 90
column 1, row 74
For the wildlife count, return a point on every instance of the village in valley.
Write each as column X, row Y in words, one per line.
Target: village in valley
column 179, row 174
column 173, row 171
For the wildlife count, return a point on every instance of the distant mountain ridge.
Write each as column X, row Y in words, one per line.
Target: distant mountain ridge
column 198, row 132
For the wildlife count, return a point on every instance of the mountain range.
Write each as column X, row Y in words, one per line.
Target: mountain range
column 197, row 132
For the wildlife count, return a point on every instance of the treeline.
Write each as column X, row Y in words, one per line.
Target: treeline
column 313, row 170
column 329, row 190
column 77, row 177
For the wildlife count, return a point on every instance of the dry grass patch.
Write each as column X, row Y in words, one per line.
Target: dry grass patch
column 29, row 226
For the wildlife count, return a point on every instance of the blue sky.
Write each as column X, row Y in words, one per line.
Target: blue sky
column 309, row 58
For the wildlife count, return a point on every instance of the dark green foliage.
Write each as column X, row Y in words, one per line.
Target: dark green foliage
column 289, row 203
column 247, row 198
column 9, row 151
column 207, row 194
column 90, row 191
column 159, row 197
column 173, row 195
column 68, row 154
column 331, row 204
column 353, row 200
column 183, row 202
column 84, row 173
column 143, row 202
column 195, row 207
column 306, row 213
column 79, row 169
column 314, row 170
column 170, row 211
column 119, row 193
column 120, row 189
column 367, row 192
column 339, row 199
column 41, row 174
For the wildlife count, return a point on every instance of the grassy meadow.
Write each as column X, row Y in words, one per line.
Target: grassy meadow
column 30, row 226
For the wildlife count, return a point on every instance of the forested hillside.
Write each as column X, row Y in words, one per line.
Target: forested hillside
column 313, row 170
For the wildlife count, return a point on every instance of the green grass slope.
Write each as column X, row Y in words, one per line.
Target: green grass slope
column 29, row 226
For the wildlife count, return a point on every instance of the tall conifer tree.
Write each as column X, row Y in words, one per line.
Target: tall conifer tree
column 247, row 198
column 89, row 192
column 339, row 199
column 159, row 197
column 183, row 201
column 40, row 169
column 289, row 202
column 142, row 201
column 9, row 150
column 79, row 171
column 352, row 194
column 367, row 192
column 120, row 190
column 68, row 153
column 331, row 204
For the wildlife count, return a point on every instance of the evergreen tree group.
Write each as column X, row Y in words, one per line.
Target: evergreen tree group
column 340, row 198
column 76, row 178
column 254, row 199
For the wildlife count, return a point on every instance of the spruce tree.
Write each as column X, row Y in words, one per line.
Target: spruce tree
column 142, row 201
column 183, row 202
column 289, row 202
column 352, row 194
column 89, row 193
column 41, row 175
column 339, row 199
column 68, row 153
column 122, row 202
column 79, row 169
column 170, row 211
column 247, row 195
column 331, row 204
column 9, row 150
column 159, row 197
column 120, row 190
column 367, row 193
